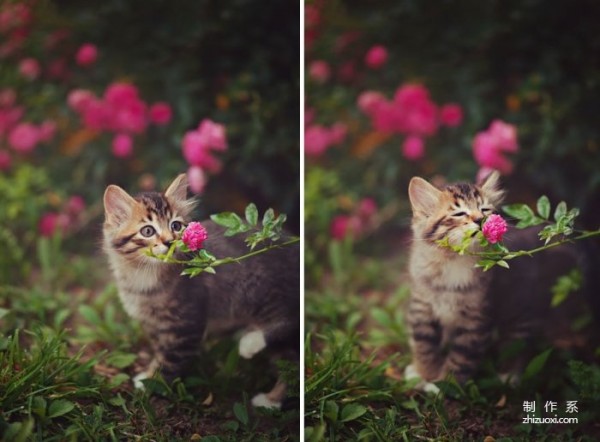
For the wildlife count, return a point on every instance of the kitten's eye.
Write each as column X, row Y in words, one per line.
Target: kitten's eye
column 147, row 231
column 459, row 214
column 176, row 226
column 486, row 210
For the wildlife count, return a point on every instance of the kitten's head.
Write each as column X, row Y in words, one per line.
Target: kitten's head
column 452, row 211
column 151, row 220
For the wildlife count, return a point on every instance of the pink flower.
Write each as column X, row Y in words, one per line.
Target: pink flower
column 408, row 95
column 343, row 226
column 316, row 140
column 24, row 137
column 8, row 97
column 505, row 135
column 376, row 57
column 47, row 130
column 86, row 55
column 451, row 115
column 128, row 117
column 413, row 148
column 197, row 152
column 29, row 68
column 75, row 205
column 489, row 152
column 95, row 114
column 214, row 134
column 121, row 94
column 494, row 228
column 197, row 179
column 319, row 71
column 51, row 222
column 337, row 133
column 122, row 146
column 160, row 113
column 78, row 99
column 194, row 236
column 369, row 101
column 367, row 207
column 5, row 160
column 8, row 118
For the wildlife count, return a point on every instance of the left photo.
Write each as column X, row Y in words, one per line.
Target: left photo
column 150, row 221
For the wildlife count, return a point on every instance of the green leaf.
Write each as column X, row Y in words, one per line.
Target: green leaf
column 352, row 412
column 90, row 314
column 241, row 413
column 252, row 214
column 121, row 360
column 543, row 207
column 536, row 364
column 38, row 406
column 117, row 380
column 331, row 410
column 560, row 211
column 502, row 263
column 60, row 407
column 117, row 401
column 519, row 211
column 268, row 217
column 227, row 219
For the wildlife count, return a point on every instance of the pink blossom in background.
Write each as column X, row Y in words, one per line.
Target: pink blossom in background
column 319, row 71
column 160, row 113
column 316, row 140
column 420, row 119
column 5, row 160
column 413, row 148
column 490, row 146
column 78, row 99
column 411, row 94
column 47, row 130
column 451, row 115
column 505, row 135
column 197, row 179
column 86, row 55
column 121, row 94
column 376, row 57
column 13, row 15
column 194, row 236
column 24, row 137
column 95, row 114
column 122, row 146
column 216, row 137
column 8, row 97
column 343, row 226
column 29, row 68
column 75, row 205
column 494, row 228
column 337, row 133
column 58, row 69
column 197, row 151
column 309, row 116
column 368, row 101
column 128, row 117
column 9, row 118
column 312, row 16
column 347, row 71
column 367, row 207
column 388, row 117
column 51, row 222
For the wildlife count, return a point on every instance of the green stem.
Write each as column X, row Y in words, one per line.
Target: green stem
column 254, row 253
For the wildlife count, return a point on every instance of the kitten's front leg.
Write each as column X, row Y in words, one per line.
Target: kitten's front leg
column 425, row 340
column 467, row 347
column 175, row 347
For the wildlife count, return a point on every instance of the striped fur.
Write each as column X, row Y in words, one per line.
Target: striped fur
column 454, row 307
column 259, row 296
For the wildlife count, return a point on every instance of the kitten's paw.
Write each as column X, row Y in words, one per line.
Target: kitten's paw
column 262, row 400
column 411, row 373
column 137, row 380
column 251, row 343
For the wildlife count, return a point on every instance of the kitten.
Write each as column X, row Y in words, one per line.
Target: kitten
column 259, row 295
column 455, row 307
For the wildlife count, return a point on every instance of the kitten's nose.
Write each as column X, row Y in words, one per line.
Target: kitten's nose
column 477, row 220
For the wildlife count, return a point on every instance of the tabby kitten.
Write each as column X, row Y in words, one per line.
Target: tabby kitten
column 259, row 296
column 455, row 307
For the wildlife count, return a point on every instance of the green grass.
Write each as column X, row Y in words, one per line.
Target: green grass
column 68, row 353
column 356, row 351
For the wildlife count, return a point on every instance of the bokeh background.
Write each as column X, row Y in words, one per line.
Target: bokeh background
column 447, row 91
column 129, row 93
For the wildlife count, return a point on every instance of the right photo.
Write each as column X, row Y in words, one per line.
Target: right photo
column 452, row 221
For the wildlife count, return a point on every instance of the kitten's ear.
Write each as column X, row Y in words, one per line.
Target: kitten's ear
column 424, row 197
column 177, row 194
column 177, row 191
column 491, row 188
column 118, row 205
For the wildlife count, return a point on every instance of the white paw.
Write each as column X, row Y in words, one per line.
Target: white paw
column 410, row 373
column 262, row 400
column 137, row 380
column 251, row 343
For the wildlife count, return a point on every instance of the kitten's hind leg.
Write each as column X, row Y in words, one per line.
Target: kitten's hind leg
column 251, row 343
column 272, row 399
